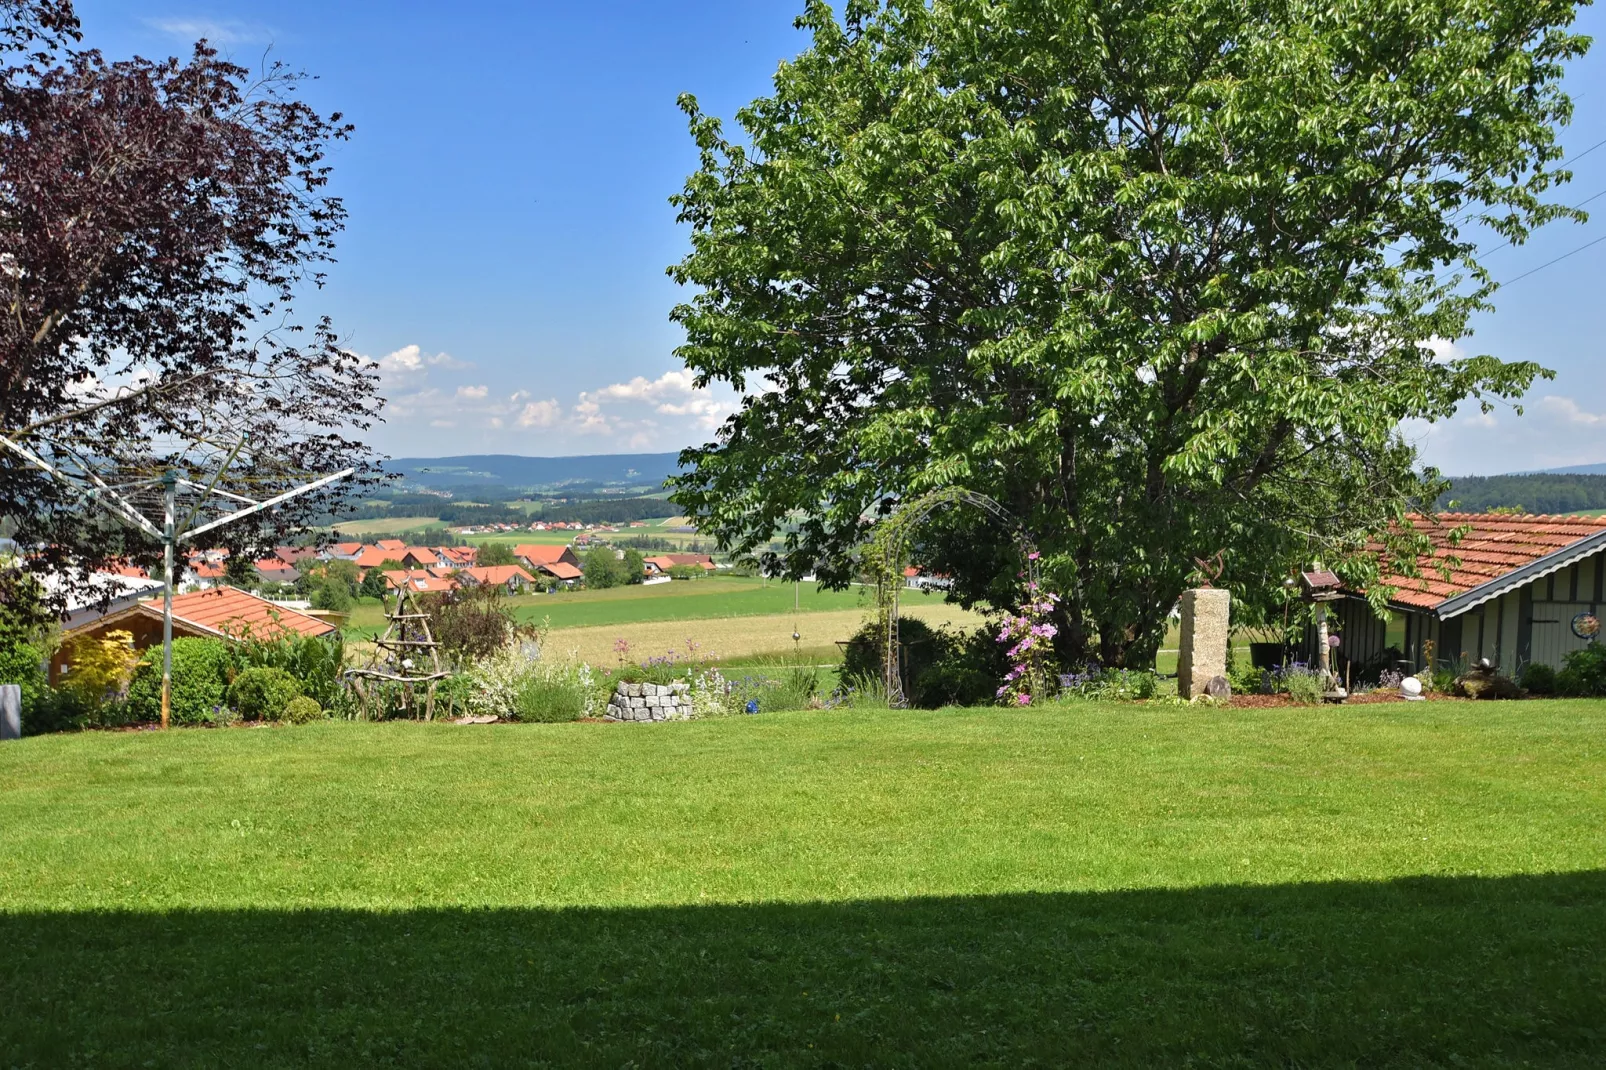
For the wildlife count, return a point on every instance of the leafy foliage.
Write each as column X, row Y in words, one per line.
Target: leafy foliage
column 100, row 667
column 495, row 553
column 1159, row 278
column 201, row 669
column 470, row 622
column 1583, row 673
column 159, row 219
column 262, row 693
column 603, row 567
column 303, row 710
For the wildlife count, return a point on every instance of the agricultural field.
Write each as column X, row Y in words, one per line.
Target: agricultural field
column 360, row 529
column 720, row 617
column 1406, row 885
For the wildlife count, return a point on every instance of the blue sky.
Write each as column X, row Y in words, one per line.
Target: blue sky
column 508, row 186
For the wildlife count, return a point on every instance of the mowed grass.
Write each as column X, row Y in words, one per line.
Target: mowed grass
column 1403, row 885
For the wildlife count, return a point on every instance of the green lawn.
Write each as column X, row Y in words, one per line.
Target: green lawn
column 1403, row 885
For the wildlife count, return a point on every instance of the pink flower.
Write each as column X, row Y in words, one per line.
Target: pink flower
column 1033, row 556
column 1024, row 700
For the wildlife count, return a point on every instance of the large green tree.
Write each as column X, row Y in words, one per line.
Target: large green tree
column 1159, row 277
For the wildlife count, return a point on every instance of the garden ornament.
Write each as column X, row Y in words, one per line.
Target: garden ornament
column 1411, row 689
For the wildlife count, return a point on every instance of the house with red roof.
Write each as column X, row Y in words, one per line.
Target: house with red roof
column 374, row 556
column 418, row 581
column 1518, row 590
column 660, row 564
column 535, row 554
column 276, row 570
column 421, row 557
column 513, row 577
column 557, row 574
column 394, row 545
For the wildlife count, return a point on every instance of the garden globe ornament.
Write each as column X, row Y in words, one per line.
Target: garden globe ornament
column 1411, row 689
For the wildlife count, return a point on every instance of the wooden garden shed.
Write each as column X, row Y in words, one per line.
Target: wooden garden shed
column 1514, row 589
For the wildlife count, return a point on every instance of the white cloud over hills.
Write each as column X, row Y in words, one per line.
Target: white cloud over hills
column 428, row 400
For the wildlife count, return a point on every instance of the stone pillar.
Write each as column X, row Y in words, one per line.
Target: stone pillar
column 10, row 711
column 1206, row 615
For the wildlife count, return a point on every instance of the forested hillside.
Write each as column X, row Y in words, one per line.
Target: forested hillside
column 1540, row 492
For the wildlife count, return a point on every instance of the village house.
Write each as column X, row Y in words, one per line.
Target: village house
column 533, row 555
column 558, row 574
column 660, row 564
column 514, row 578
column 276, row 570
column 1518, row 590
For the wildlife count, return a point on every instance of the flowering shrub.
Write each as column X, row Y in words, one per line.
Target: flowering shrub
column 1109, row 685
column 1031, row 651
column 515, row 686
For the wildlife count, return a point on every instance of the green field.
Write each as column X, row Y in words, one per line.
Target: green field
column 360, row 529
column 710, row 598
column 1377, row 885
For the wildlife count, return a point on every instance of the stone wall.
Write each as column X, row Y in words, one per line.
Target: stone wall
column 650, row 702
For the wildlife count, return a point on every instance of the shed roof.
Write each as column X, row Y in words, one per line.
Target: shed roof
column 231, row 610
column 1496, row 554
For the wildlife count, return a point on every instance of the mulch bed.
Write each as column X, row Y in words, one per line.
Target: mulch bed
column 1370, row 698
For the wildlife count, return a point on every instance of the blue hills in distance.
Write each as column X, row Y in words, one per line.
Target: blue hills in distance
column 647, row 470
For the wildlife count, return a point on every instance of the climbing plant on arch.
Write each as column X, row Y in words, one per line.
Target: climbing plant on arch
column 888, row 553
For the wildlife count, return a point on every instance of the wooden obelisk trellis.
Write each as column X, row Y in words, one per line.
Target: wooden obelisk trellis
column 406, row 654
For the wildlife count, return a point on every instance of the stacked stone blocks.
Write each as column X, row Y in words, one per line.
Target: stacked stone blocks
column 650, row 702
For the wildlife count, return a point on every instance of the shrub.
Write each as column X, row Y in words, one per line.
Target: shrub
column 22, row 663
column 1583, row 674
column 316, row 662
column 1538, row 678
column 470, row 623
column 1304, row 685
column 333, row 595
column 513, row 685
column 303, row 710
column 99, row 667
column 201, row 669
column 940, row 667
column 1110, row 685
column 263, row 693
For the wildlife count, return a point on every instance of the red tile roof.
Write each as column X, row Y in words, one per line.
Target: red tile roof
column 537, row 553
column 500, row 574
column 1494, row 546
column 346, row 549
column 373, row 556
column 391, row 544
column 237, row 612
column 559, row 569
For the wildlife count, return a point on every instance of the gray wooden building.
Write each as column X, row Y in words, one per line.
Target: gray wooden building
column 1519, row 590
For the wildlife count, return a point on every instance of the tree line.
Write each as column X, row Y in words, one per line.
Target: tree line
column 1536, row 493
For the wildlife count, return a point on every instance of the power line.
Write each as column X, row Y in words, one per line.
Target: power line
column 1558, row 260
column 1575, row 207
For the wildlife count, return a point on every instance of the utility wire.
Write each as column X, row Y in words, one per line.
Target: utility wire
column 1558, row 260
column 1575, row 207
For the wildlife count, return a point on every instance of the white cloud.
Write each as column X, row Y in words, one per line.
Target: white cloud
column 217, row 32
column 1569, row 410
column 663, row 413
column 1443, row 350
column 1553, row 432
column 540, row 413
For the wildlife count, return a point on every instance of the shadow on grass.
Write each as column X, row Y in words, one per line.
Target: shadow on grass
column 1426, row 971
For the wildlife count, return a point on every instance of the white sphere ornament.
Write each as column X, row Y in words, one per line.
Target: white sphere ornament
column 1411, row 689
